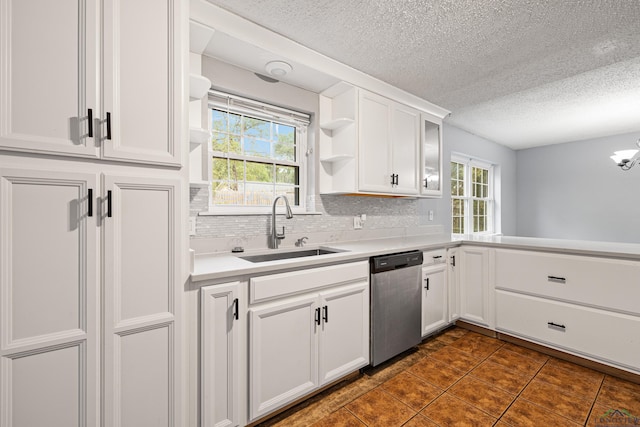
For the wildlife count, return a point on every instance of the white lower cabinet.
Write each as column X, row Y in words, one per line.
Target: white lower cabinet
column 283, row 359
column 604, row 335
column 475, row 285
column 344, row 337
column 434, row 298
column 300, row 343
column 221, row 328
column 453, row 283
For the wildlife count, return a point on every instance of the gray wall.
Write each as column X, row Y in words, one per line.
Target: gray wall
column 385, row 217
column 459, row 141
column 575, row 191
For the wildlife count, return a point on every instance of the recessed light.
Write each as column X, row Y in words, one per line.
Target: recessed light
column 278, row 68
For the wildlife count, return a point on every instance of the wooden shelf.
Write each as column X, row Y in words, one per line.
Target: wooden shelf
column 337, row 158
column 336, row 123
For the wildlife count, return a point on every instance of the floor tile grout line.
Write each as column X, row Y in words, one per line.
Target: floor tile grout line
column 460, row 379
column 520, row 392
column 595, row 400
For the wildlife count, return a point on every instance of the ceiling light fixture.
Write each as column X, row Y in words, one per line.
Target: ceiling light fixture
column 626, row 159
column 278, row 68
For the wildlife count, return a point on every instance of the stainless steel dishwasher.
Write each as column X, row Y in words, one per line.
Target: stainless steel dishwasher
column 396, row 301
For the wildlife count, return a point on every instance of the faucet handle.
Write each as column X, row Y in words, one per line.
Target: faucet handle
column 280, row 235
column 301, row 241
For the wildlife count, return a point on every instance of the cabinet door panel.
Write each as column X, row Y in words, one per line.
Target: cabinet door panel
column 434, row 299
column 47, row 76
column 48, row 298
column 374, row 148
column 220, row 353
column 405, row 130
column 144, row 373
column 431, row 179
column 344, row 340
column 283, row 361
column 474, row 285
column 46, row 388
column 141, row 80
column 142, row 286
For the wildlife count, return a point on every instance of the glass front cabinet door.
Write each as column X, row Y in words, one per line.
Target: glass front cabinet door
column 431, row 156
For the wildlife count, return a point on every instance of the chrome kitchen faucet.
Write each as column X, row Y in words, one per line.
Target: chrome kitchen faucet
column 275, row 236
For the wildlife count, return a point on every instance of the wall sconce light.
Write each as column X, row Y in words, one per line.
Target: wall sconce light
column 627, row 159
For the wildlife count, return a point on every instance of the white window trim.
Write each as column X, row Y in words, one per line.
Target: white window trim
column 268, row 112
column 470, row 162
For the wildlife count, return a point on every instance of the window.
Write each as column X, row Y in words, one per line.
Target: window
column 257, row 153
column 472, row 203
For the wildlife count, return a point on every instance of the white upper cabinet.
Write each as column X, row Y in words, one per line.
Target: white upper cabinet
column 370, row 144
column 71, row 87
column 48, row 77
column 388, row 145
column 431, row 169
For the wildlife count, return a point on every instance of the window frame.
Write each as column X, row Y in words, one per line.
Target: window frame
column 468, row 198
column 263, row 111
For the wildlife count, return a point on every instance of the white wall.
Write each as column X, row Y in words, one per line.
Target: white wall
column 575, row 191
column 459, row 141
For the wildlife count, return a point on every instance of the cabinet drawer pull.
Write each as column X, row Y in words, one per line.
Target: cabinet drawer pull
column 325, row 316
column 236, row 314
column 318, row 316
column 556, row 325
column 90, row 201
column 90, row 124
column 427, row 282
column 108, row 125
column 556, row 279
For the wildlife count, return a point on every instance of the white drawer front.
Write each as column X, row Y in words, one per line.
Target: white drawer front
column 607, row 283
column 295, row 282
column 438, row 256
column 610, row 337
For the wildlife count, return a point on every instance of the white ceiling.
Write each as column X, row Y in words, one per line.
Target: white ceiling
column 517, row 72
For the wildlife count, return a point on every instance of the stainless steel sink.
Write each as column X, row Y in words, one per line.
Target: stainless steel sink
column 274, row 256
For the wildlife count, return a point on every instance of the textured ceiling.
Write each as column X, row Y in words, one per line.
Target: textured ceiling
column 504, row 68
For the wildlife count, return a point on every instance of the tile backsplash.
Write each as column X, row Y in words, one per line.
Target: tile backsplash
column 386, row 217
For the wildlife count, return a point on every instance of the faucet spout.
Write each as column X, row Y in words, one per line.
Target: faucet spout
column 275, row 236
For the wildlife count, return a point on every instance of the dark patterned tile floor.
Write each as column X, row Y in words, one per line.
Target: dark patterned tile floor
column 462, row 378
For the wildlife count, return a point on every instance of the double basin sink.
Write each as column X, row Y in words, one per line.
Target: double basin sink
column 275, row 256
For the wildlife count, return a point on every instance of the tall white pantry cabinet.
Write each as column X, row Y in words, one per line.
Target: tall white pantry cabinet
column 91, row 235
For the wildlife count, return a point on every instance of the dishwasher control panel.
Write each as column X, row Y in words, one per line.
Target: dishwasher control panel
column 395, row 261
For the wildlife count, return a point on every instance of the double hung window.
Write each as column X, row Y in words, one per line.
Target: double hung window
column 472, row 202
column 257, row 153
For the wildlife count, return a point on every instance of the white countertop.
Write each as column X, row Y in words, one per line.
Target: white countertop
column 227, row 265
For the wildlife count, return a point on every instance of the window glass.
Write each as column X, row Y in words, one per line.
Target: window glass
column 253, row 159
column 471, row 197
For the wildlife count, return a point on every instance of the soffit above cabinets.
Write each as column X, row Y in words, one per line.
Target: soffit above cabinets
column 485, row 60
column 219, row 45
